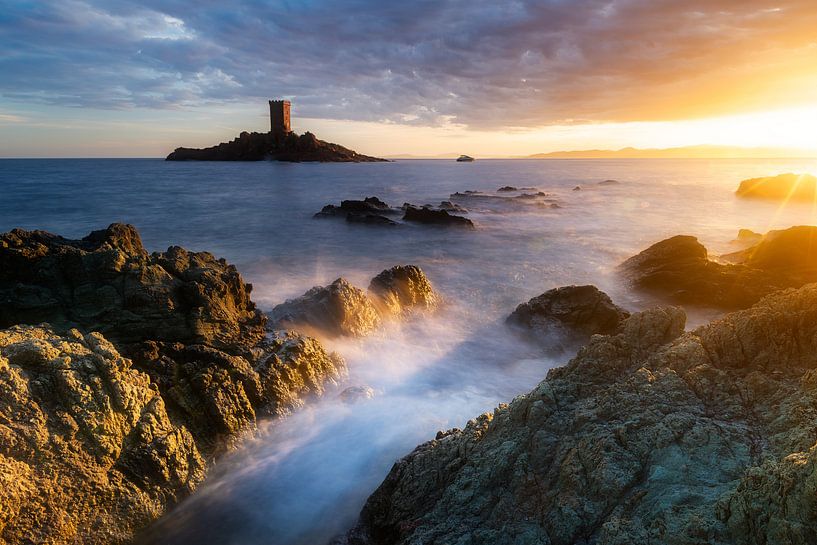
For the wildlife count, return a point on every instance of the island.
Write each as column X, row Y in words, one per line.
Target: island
column 279, row 144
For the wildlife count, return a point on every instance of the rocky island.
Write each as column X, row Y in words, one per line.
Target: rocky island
column 280, row 144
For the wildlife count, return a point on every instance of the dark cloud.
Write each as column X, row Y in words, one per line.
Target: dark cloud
column 480, row 63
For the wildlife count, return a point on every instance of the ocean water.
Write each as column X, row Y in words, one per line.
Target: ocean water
column 305, row 478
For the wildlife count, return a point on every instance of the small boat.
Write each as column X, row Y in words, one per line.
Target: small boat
column 464, row 159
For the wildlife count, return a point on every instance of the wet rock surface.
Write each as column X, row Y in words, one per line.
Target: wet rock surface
column 567, row 315
column 367, row 206
column 651, row 435
column 266, row 146
column 679, row 269
column 783, row 187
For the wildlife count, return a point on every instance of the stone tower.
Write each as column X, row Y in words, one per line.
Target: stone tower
column 279, row 117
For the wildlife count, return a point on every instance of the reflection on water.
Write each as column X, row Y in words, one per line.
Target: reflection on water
column 307, row 476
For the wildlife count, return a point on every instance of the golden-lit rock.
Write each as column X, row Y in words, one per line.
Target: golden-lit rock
column 783, row 187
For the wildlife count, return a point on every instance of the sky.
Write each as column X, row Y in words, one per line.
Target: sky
column 120, row 78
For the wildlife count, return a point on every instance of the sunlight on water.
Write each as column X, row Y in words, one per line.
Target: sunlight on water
column 306, row 477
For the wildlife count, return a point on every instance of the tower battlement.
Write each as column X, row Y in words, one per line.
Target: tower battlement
column 279, row 117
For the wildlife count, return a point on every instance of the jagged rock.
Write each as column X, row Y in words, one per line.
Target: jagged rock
column 435, row 217
column 87, row 451
column 507, row 188
column 267, row 146
column 798, row 187
column 401, row 288
column 355, row 394
column 647, row 436
column 569, row 314
column 370, row 219
column 337, row 309
column 680, row 269
column 107, row 282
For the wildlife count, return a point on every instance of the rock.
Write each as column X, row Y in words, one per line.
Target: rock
column 507, row 188
column 370, row 219
column 88, row 453
column 785, row 187
column 402, row 288
column 570, row 314
column 336, row 309
column 448, row 206
column 356, row 394
column 369, row 205
column 747, row 235
column 577, row 188
column 609, row 182
column 435, row 217
column 107, row 282
column 651, row 435
column 679, row 269
column 267, row 146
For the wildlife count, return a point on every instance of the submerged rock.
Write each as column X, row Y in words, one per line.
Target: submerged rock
column 568, row 314
column 355, row 394
column 609, row 182
column 507, row 188
column 337, row 309
column 785, row 187
column 267, row 146
column 401, row 288
column 88, row 453
column 680, row 269
column 647, row 436
column 435, row 217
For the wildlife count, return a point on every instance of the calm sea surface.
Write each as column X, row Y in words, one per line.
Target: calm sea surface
column 306, row 477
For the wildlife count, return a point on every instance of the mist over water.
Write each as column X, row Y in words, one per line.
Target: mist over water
column 306, row 477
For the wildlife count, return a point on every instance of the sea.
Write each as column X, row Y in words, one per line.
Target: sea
column 304, row 479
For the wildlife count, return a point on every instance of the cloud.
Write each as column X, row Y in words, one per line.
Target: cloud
column 477, row 63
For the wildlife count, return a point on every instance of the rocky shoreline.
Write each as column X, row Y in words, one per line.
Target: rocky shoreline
column 124, row 375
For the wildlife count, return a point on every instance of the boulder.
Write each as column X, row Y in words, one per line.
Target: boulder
column 337, row 309
column 783, row 187
column 435, row 217
column 651, row 435
column 401, row 288
column 356, row 394
column 369, row 205
column 680, row 269
column 569, row 314
column 88, row 453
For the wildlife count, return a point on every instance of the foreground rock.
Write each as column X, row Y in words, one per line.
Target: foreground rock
column 266, row 146
column 679, row 269
column 568, row 315
column 88, row 453
column 343, row 309
column 647, row 436
column 784, row 187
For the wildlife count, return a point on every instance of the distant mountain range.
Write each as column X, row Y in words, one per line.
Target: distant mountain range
column 692, row 152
